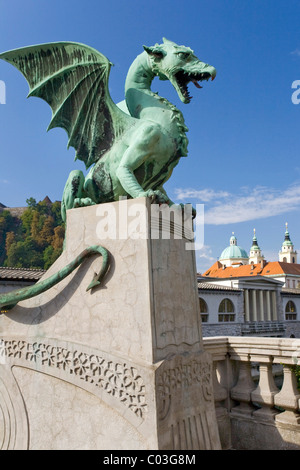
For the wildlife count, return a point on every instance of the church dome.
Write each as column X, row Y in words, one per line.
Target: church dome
column 233, row 251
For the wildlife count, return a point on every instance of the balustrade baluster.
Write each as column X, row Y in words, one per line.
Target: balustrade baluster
column 221, row 402
column 288, row 398
column 241, row 392
column 220, row 393
column 265, row 392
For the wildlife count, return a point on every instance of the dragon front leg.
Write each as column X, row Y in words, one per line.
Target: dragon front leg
column 150, row 150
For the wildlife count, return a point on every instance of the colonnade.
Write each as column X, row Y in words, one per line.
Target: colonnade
column 260, row 305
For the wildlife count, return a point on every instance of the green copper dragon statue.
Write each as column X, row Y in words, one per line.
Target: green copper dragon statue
column 130, row 148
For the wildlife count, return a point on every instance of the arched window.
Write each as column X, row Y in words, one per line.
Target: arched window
column 203, row 310
column 226, row 311
column 290, row 311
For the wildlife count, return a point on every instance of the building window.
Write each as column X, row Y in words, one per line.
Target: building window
column 290, row 311
column 203, row 310
column 226, row 311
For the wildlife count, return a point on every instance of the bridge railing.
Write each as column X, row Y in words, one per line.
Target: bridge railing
column 256, row 391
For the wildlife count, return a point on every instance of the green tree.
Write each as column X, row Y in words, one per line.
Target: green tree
column 8, row 223
column 24, row 254
column 10, row 239
column 36, row 239
column 47, row 231
column 31, row 202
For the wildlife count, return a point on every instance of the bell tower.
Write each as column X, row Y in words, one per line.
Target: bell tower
column 287, row 253
column 255, row 251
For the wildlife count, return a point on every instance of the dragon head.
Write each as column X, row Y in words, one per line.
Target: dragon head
column 179, row 65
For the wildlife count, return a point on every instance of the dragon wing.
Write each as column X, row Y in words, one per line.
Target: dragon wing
column 73, row 79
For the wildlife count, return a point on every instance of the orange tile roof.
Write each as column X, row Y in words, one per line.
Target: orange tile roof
column 279, row 267
column 269, row 269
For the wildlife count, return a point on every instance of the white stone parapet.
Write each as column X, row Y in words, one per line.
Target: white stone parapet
column 120, row 367
column 257, row 405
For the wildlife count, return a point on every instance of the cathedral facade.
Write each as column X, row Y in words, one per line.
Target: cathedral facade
column 244, row 294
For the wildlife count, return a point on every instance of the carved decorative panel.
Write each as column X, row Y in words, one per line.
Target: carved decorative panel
column 87, row 369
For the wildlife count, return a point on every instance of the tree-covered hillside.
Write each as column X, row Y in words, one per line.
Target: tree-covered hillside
column 35, row 238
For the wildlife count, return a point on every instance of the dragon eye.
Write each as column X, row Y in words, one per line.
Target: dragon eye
column 183, row 55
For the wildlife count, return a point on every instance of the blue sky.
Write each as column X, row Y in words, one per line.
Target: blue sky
column 244, row 130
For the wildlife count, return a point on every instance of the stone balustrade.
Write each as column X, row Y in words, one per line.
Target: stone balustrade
column 256, row 408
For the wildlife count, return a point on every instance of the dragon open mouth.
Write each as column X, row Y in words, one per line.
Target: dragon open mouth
column 184, row 78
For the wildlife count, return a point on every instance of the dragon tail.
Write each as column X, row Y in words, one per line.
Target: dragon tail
column 10, row 299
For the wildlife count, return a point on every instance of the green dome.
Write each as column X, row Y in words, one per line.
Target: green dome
column 233, row 251
column 254, row 246
column 287, row 240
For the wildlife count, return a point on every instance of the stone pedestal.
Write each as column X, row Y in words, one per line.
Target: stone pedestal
column 118, row 367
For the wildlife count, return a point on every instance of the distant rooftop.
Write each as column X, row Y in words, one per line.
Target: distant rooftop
column 270, row 268
column 20, row 274
column 210, row 286
column 18, row 211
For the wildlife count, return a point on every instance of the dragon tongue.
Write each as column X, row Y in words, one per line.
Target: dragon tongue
column 196, row 83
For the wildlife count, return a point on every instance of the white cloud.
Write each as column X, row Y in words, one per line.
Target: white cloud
column 248, row 204
column 271, row 255
column 204, row 258
column 206, row 252
column 296, row 52
column 204, row 195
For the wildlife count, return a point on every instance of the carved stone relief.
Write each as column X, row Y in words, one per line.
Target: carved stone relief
column 185, row 403
column 119, row 380
column 13, row 417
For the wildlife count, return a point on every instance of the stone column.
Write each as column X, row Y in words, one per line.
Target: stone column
column 274, row 306
column 254, row 308
column 247, row 311
column 268, row 306
column 261, row 305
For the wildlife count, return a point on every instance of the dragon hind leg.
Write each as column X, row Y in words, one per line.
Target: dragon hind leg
column 74, row 194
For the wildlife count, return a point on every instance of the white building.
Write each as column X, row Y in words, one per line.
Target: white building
column 246, row 295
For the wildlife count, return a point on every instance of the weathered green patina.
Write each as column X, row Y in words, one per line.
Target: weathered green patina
column 10, row 299
column 131, row 148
